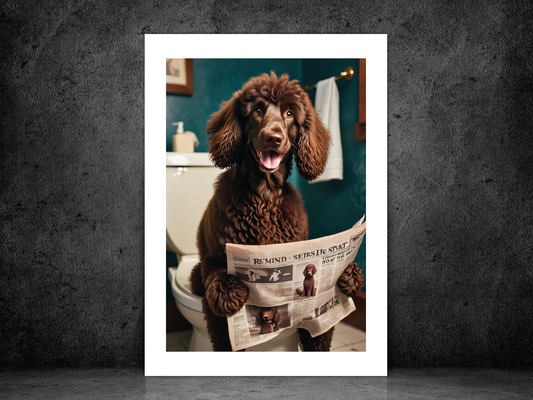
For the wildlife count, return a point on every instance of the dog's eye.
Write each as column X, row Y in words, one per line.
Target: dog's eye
column 257, row 111
column 288, row 114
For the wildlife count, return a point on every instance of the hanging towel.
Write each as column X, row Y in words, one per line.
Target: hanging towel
column 327, row 107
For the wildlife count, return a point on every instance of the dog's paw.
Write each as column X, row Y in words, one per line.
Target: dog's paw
column 226, row 295
column 351, row 280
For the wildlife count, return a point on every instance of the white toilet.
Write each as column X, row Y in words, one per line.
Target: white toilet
column 190, row 178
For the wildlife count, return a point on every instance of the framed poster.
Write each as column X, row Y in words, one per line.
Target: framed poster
column 179, row 76
column 159, row 361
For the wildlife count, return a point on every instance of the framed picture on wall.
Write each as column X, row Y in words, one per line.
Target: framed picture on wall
column 179, row 76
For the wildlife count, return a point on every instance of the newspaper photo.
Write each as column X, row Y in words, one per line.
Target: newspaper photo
column 291, row 285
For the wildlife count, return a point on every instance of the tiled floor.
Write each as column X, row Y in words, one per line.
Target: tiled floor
column 345, row 338
column 348, row 338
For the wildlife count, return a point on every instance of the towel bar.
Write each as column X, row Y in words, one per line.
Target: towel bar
column 346, row 74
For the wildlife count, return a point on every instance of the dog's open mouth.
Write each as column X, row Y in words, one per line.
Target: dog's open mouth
column 269, row 159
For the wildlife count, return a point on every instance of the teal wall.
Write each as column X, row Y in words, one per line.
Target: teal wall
column 332, row 206
column 337, row 205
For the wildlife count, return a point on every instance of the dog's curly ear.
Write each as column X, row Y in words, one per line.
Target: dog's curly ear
column 313, row 145
column 277, row 316
column 225, row 127
column 314, row 269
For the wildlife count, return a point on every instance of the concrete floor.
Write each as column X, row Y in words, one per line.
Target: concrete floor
column 400, row 384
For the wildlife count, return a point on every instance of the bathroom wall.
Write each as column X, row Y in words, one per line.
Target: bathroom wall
column 336, row 205
column 215, row 80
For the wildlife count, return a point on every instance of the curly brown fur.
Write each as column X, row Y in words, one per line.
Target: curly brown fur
column 319, row 343
column 196, row 280
column 351, row 280
column 268, row 319
column 255, row 135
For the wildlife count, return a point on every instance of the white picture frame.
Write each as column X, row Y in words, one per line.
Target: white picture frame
column 372, row 362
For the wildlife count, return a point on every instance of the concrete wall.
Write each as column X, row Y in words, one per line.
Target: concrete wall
column 459, row 161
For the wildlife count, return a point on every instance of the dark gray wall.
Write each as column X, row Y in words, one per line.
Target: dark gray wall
column 460, row 172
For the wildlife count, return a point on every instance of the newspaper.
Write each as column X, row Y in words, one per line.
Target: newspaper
column 292, row 285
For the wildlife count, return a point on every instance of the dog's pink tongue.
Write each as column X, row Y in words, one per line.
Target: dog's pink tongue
column 270, row 159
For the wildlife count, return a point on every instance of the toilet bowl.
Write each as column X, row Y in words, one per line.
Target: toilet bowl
column 190, row 306
column 190, row 178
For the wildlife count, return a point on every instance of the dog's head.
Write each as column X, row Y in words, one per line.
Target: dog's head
column 269, row 315
column 263, row 122
column 310, row 270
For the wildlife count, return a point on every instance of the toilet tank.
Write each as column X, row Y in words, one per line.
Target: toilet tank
column 190, row 178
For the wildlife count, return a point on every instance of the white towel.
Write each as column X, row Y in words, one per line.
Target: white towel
column 327, row 107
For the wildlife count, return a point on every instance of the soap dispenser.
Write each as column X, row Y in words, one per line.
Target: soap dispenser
column 183, row 142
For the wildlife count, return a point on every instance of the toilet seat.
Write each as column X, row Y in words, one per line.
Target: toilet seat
column 181, row 287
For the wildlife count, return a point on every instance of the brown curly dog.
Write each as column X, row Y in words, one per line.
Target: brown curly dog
column 256, row 135
column 309, row 282
column 268, row 319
